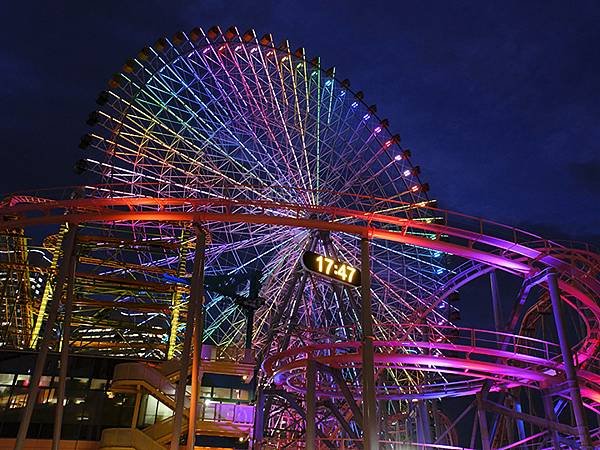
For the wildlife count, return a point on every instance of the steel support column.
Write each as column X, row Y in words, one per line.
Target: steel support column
column 571, row 375
column 64, row 352
column 40, row 361
column 520, row 424
column 496, row 304
column 423, row 425
column 187, row 344
column 259, row 419
column 499, row 326
column 311, row 405
column 549, row 411
column 197, row 296
column 483, row 425
column 370, row 422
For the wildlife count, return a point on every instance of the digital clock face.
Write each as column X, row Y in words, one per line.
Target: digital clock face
column 331, row 268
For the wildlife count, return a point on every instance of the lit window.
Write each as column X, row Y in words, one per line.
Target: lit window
column 7, row 378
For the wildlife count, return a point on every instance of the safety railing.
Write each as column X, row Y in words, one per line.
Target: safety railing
column 432, row 336
column 139, row 372
column 143, row 372
column 211, row 411
column 208, row 411
column 227, row 353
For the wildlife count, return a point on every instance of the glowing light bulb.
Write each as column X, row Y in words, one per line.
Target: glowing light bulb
column 398, row 157
column 407, row 172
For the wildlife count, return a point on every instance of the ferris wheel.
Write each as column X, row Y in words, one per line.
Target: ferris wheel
column 227, row 115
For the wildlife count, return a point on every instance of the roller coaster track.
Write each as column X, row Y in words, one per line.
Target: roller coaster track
column 508, row 360
column 486, row 245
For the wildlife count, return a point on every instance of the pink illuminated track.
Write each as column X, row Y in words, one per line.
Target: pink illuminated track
column 476, row 355
column 471, row 357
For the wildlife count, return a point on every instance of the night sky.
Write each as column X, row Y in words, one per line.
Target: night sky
column 498, row 101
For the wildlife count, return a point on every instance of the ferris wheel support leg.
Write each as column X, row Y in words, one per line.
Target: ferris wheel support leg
column 370, row 422
column 571, row 375
column 64, row 354
column 40, row 362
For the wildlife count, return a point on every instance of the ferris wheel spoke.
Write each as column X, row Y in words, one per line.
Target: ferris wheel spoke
column 240, row 114
column 160, row 160
column 256, row 64
column 196, row 148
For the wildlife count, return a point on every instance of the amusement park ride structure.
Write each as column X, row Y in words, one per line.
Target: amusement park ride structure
column 254, row 218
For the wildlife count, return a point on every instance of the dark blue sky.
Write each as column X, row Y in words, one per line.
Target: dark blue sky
column 498, row 101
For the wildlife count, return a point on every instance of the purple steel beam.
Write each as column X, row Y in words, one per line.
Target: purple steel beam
column 370, row 422
column 572, row 382
column 311, row 405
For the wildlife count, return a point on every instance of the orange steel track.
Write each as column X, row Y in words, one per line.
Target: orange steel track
column 525, row 255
